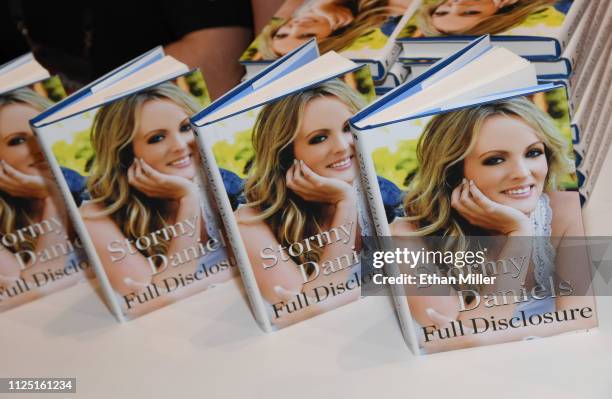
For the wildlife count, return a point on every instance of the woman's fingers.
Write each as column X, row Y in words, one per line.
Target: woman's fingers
column 297, row 171
column 12, row 172
column 309, row 175
column 130, row 174
column 458, row 202
column 468, row 201
column 139, row 180
column 455, row 196
column 300, row 176
column 289, row 176
column 150, row 172
column 480, row 199
column 8, row 182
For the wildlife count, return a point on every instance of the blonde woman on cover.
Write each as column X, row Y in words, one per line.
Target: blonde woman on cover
column 144, row 179
column 27, row 197
column 335, row 24
column 493, row 170
column 301, row 184
column 475, row 17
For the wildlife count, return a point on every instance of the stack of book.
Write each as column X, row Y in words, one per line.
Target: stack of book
column 325, row 170
column 363, row 31
column 566, row 40
column 292, row 177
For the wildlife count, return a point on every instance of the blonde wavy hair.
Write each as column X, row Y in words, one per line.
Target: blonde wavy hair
column 505, row 18
column 370, row 14
column 112, row 134
column 446, row 141
column 289, row 216
column 15, row 212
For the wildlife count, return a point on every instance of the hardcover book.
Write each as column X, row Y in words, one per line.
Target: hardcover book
column 536, row 29
column 489, row 211
column 39, row 251
column 144, row 213
column 362, row 30
column 280, row 158
column 564, row 67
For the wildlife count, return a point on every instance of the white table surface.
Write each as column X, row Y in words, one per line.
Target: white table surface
column 209, row 346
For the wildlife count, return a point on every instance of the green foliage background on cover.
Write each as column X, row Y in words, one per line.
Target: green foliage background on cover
column 550, row 16
column 400, row 166
column 54, row 88
column 237, row 156
column 78, row 154
column 373, row 40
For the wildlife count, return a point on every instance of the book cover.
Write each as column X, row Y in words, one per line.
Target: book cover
column 40, row 252
column 537, row 29
column 362, row 30
column 287, row 186
column 144, row 213
column 494, row 182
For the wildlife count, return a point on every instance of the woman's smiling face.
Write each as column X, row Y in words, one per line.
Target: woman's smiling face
column 458, row 16
column 508, row 163
column 298, row 31
column 165, row 139
column 18, row 145
column 324, row 141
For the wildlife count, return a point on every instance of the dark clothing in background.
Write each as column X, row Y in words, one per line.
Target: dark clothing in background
column 140, row 26
column 83, row 40
column 56, row 32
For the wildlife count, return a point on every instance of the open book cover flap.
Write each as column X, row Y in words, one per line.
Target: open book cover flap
column 448, row 65
column 12, row 64
column 469, row 103
column 123, row 71
column 289, row 92
column 292, row 61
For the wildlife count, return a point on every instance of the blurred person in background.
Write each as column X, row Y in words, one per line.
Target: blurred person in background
column 84, row 40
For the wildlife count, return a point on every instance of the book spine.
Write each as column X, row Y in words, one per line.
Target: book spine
column 584, row 95
column 594, row 105
column 598, row 48
column 369, row 182
column 602, row 155
column 579, row 40
column 217, row 188
column 79, row 226
column 594, row 159
column 575, row 14
column 587, row 42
